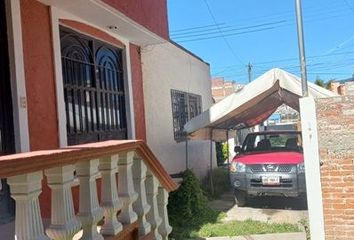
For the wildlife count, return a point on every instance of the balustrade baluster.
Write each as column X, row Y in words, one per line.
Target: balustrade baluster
column 25, row 189
column 64, row 224
column 109, row 197
column 153, row 217
column 140, row 206
column 162, row 199
column 126, row 188
column 90, row 213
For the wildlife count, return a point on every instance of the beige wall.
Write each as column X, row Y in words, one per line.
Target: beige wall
column 166, row 67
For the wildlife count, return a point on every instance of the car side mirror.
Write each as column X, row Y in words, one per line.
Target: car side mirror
column 238, row 149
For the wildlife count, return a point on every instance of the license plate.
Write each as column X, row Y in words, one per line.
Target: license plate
column 270, row 180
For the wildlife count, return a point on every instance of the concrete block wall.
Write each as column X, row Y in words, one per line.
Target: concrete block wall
column 335, row 119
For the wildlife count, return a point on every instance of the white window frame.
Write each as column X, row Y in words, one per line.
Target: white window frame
column 57, row 14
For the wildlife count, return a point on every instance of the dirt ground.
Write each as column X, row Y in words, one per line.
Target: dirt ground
column 267, row 209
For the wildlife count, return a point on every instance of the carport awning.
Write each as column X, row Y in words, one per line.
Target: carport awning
column 252, row 105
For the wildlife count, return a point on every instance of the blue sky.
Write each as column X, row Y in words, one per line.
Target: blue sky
column 229, row 34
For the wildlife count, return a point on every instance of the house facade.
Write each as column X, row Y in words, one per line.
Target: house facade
column 72, row 73
column 59, row 75
column 176, row 89
column 58, row 41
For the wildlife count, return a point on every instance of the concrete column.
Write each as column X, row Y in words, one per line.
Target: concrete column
column 90, row 213
column 153, row 216
column 109, row 196
column 162, row 199
column 25, row 189
column 126, row 188
column 141, row 207
column 64, row 224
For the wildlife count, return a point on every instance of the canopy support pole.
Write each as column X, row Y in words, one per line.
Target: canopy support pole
column 211, row 163
column 228, row 152
column 187, row 157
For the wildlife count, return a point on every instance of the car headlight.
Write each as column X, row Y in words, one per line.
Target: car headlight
column 301, row 168
column 237, row 167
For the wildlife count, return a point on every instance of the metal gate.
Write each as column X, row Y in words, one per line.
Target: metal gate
column 6, row 121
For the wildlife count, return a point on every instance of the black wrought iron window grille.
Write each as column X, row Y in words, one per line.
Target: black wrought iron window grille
column 185, row 106
column 93, row 89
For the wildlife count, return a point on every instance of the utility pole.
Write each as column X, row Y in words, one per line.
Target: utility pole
column 249, row 68
column 300, row 35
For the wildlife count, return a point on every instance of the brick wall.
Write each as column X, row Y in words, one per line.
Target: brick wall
column 335, row 118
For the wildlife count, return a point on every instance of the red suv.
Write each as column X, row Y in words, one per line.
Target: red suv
column 268, row 163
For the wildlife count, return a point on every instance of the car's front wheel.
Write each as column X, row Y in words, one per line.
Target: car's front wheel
column 240, row 198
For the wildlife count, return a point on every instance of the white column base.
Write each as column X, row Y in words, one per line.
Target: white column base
column 126, row 188
column 64, row 224
column 90, row 213
column 25, row 189
column 162, row 200
column 153, row 216
column 141, row 207
column 109, row 196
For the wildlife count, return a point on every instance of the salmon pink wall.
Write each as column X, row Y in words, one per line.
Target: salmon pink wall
column 138, row 93
column 152, row 14
column 40, row 83
column 39, row 74
column 94, row 32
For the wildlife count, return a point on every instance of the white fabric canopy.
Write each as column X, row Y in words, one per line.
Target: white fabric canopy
column 252, row 105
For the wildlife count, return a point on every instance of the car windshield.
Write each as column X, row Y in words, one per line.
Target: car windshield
column 273, row 142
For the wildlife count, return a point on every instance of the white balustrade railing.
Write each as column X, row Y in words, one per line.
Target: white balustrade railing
column 138, row 196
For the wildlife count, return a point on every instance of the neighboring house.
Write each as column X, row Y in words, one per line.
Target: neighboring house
column 221, row 88
column 342, row 87
column 176, row 89
column 284, row 114
column 75, row 72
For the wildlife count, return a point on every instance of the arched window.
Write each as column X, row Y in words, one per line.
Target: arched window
column 93, row 89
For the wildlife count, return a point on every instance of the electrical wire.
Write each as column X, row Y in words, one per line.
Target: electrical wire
column 228, row 30
column 225, row 39
column 214, row 27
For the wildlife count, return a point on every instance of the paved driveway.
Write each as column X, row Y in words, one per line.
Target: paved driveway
column 267, row 209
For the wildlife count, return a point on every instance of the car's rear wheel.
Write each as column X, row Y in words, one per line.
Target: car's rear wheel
column 240, row 198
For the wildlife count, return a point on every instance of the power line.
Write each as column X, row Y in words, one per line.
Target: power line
column 229, row 30
column 226, row 35
column 225, row 40
column 209, row 33
column 202, row 30
column 197, row 27
column 205, row 28
column 222, row 35
column 294, row 59
column 264, row 18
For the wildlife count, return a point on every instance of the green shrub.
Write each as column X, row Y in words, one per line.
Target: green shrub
column 188, row 208
column 221, row 182
column 221, row 152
